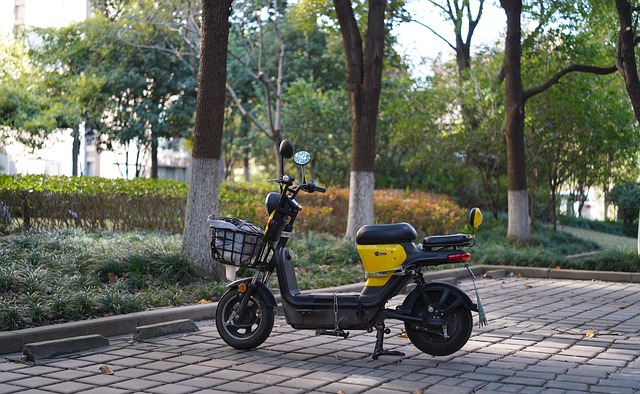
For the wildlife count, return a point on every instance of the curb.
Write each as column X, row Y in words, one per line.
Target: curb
column 16, row 341
column 167, row 328
column 59, row 347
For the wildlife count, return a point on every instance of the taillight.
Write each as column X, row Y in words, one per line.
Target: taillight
column 459, row 257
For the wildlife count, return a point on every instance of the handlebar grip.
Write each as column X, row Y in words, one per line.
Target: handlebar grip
column 321, row 189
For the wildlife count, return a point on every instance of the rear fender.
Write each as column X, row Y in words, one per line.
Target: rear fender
column 411, row 299
column 261, row 289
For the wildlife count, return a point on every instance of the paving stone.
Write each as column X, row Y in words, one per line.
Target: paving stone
column 9, row 388
column 34, row 382
column 137, row 385
column 535, row 343
column 238, row 387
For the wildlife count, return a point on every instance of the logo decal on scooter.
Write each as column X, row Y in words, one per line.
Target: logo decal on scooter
column 380, row 253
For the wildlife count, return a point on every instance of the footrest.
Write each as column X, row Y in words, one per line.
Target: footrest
column 333, row 333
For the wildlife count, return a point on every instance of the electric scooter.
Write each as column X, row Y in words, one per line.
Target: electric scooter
column 437, row 316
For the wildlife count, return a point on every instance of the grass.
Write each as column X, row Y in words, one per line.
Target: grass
column 54, row 277
column 604, row 240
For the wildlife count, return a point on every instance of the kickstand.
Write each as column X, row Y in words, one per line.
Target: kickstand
column 379, row 349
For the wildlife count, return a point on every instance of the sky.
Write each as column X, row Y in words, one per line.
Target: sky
column 417, row 42
column 43, row 13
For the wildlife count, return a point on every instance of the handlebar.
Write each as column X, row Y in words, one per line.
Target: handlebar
column 309, row 187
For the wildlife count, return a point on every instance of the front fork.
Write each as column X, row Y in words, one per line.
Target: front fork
column 247, row 288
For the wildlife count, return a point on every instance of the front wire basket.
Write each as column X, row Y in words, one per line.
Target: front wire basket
column 235, row 242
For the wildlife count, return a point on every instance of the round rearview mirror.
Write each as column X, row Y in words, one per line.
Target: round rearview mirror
column 475, row 218
column 302, row 157
column 286, row 149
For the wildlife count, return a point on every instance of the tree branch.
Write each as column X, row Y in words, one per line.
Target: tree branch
column 244, row 111
column 408, row 19
column 572, row 68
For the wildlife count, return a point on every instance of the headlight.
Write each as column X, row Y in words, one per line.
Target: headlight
column 271, row 202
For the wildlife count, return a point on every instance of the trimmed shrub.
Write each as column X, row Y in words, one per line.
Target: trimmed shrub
column 42, row 202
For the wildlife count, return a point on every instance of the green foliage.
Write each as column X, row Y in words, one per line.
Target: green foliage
column 627, row 197
column 319, row 123
column 52, row 277
column 45, row 202
column 549, row 249
column 26, row 113
column 607, row 227
column 323, row 260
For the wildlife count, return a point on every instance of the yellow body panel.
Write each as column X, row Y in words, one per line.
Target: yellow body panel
column 378, row 258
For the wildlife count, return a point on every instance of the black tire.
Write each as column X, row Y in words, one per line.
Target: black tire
column 248, row 329
column 430, row 338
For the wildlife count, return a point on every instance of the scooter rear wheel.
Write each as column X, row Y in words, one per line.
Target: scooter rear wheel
column 445, row 328
column 246, row 329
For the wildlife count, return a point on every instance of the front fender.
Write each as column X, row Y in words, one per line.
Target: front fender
column 261, row 288
column 411, row 299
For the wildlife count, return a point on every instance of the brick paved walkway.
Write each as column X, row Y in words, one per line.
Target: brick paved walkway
column 536, row 341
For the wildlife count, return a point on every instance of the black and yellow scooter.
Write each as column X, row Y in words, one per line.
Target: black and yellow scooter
column 437, row 316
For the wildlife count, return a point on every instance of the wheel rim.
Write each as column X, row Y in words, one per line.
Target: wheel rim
column 439, row 305
column 243, row 325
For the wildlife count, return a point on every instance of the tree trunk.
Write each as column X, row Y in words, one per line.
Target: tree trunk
column 625, row 57
column 202, row 196
column 364, row 76
column 518, row 202
column 75, row 150
column 154, row 158
column 638, row 233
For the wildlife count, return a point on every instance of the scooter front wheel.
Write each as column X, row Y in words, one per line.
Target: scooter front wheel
column 445, row 328
column 247, row 328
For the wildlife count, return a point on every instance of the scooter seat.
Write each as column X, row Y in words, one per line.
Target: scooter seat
column 372, row 234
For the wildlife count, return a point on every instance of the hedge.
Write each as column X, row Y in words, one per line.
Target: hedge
column 93, row 204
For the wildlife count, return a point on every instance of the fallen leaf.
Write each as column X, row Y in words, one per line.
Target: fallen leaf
column 105, row 370
column 518, row 275
column 403, row 334
column 528, row 286
column 557, row 267
column 591, row 334
column 113, row 278
column 21, row 360
column 622, row 307
column 416, row 391
column 203, row 301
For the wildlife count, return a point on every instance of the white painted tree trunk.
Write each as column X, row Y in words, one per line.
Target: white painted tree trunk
column 519, row 223
column 202, row 200
column 360, row 203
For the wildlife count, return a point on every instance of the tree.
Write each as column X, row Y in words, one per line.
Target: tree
column 203, row 185
column 122, row 93
column 627, row 197
column 477, row 105
column 253, row 35
column 518, row 202
column 363, row 64
column 626, row 61
column 27, row 115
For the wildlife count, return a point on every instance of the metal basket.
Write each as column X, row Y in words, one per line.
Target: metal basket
column 234, row 241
